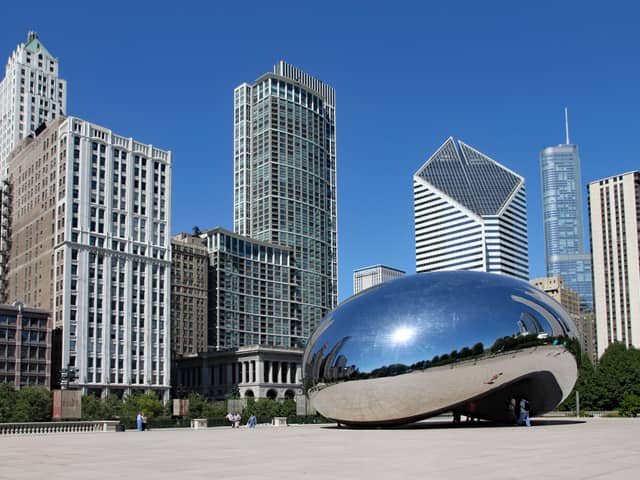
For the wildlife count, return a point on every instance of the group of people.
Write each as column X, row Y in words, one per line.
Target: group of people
column 235, row 418
column 519, row 412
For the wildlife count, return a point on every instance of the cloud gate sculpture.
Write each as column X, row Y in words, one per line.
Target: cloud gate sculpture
column 430, row 343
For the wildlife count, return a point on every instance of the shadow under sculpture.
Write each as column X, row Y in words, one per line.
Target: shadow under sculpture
column 429, row 343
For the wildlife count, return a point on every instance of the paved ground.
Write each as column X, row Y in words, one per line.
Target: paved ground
column 552, row 449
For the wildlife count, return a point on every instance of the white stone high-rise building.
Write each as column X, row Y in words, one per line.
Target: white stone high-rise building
column 91, row 226
column 368, row 277
column 31, row 94
column 614, row 220
column 470, row 214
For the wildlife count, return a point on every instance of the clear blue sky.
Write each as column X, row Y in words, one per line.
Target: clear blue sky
column 496, row 75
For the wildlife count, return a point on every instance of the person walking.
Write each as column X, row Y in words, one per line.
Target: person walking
column 140, row 421
column 524, row 413
column 252, row 421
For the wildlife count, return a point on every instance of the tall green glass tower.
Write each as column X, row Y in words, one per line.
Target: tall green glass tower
column 285, row 181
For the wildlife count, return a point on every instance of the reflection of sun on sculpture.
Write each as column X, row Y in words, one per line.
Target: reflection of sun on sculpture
column 502, row 339
column 402, row 335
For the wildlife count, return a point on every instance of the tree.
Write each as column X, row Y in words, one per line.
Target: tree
column 630, row 405
column 618, row 373
column 198, row 406
column 112, row 407
column 287, row 408
column 92, row 408
column 150, row 405
column 33, row 404
column 7, row 402
column 584, row 385
column 265, row 407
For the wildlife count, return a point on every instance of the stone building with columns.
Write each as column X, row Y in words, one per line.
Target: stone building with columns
column 255, row 371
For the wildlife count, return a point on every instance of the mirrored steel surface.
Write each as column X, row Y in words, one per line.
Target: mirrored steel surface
column 433, row 342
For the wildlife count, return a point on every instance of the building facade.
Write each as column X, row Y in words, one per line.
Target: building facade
column 5, row 232
column 614, row 219
column 252, row 289
column 285, row 179
column 555, row 287
column 249, row 372
column 25, row 346
column 470, row 214
column 189, row 294
column 368, row 277
column 90, row 240
column 563, row 215
column 31, row 94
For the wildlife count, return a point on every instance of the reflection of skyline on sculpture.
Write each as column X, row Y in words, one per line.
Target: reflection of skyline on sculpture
column 440, row 328
column 395, row 331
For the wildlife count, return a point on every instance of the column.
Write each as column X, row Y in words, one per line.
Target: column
column 298, row 374
column 259, row 372
column 250, row 371
column 229, row 374
column 205, row 377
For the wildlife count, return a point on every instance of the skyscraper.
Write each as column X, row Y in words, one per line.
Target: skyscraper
column 189, row 294
column 31, row 94
column 90, row 242
column 470, row 214
column 563, row 219
column 368, row 277
column 250, row 288
column 614, row 220
column 285, row 181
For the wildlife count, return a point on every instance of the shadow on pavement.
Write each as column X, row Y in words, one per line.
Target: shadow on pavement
column 449, row 425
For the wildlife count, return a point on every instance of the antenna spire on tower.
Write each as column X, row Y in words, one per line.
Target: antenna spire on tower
column 566, row 124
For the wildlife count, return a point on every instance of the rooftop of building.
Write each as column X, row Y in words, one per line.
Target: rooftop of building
column 470, row 178
column 379, row 265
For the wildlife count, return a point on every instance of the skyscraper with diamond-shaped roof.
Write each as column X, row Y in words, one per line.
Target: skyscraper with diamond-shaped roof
column 470, row 214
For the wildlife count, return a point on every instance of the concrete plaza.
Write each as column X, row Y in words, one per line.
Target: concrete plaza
column 595, row 448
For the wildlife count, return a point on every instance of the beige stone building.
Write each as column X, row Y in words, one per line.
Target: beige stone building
column 189, row 284
column 614, row 220
column 32, row 174
column 554, row 287
column 570, row 300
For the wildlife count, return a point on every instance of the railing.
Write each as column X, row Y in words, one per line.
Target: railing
column 583, row 413
column 42, row 428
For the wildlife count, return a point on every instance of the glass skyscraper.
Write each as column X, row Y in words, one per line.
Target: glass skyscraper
column 563, row 220
column 285, row 181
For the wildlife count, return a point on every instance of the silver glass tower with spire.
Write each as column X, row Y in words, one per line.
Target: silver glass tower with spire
column 564, row 218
